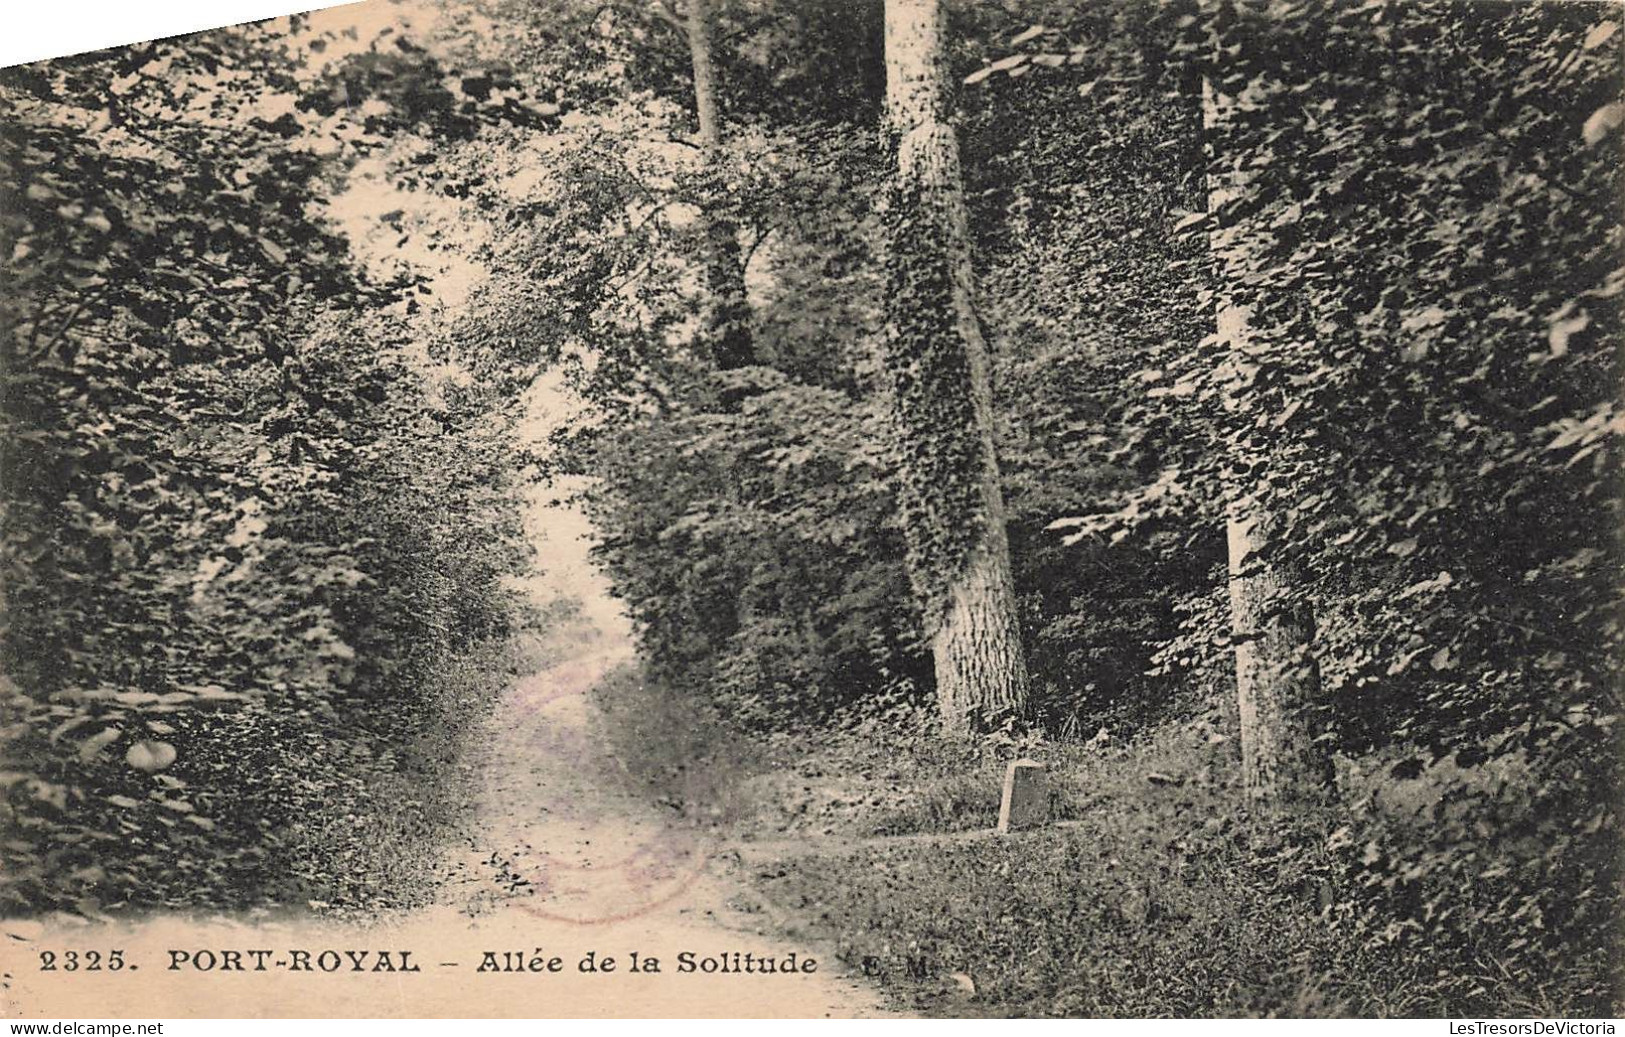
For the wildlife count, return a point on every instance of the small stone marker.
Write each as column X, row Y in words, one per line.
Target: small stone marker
column 1026, row 796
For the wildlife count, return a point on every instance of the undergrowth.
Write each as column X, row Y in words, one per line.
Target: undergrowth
column 1153, row 894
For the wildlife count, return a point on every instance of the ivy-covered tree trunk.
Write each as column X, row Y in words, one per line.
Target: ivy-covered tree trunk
column 725, row 314
column 953, row 508
column 1277, row 676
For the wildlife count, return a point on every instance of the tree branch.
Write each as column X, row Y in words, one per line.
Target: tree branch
column 756, row 23
column 750, row 253
column 667, row 13
column 67, row 325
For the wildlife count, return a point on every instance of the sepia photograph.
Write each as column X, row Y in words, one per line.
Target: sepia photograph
column 807, row 509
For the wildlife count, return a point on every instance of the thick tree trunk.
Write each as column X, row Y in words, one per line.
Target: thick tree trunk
column 1277, row 677
column 953, row 508
column 725, row 313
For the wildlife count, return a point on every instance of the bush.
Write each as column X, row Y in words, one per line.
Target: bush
column 264, row 697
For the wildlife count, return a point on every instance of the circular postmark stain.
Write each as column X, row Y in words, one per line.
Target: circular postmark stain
column 599, row 865
column 658, row 871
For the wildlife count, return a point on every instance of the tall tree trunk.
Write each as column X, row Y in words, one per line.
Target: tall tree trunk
column 725, row 314
column 952, row 505
column 1277, row 676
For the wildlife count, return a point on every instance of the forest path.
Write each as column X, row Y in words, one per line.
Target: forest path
column 566, row 859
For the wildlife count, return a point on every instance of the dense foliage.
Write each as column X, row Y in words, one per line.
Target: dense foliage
column 1352, row 269
column 251, row 551
column 1416, row 208
column 1418, row 214
column 600, row 259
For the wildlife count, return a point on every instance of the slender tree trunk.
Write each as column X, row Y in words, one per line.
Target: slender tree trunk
column 1277, row 676
column 725, row 316
column 953, row 508
column 705, row 77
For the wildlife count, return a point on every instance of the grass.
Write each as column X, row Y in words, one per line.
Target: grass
column 1159, row 897
column 1053, row 923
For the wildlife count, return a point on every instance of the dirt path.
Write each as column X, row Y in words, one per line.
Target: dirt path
column 559, row 864
column 567, row 861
